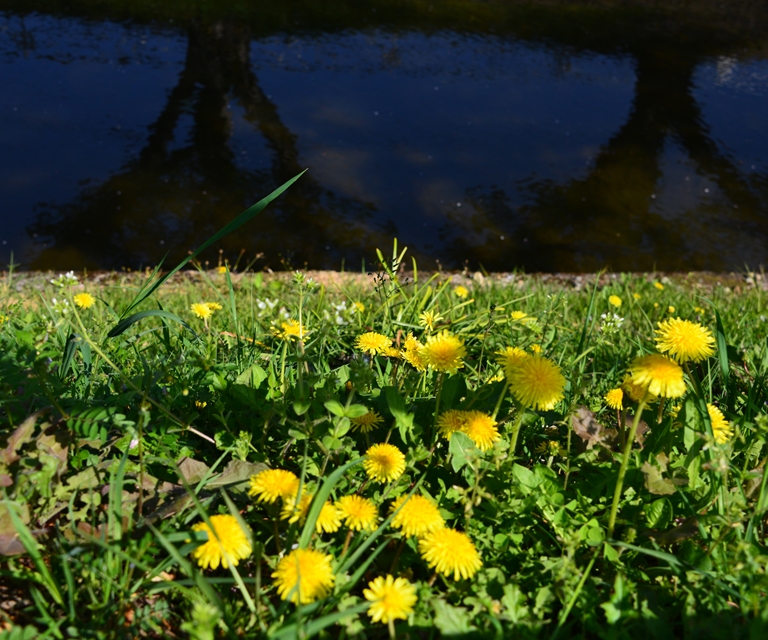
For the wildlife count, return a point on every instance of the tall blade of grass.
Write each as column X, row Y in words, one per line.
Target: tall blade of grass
column 124, row 324
column 147, row 290
column 31, row 546
column 319, row 500
column 186, row 566
column 722, row 356
column 316, row 626
column 679, row 565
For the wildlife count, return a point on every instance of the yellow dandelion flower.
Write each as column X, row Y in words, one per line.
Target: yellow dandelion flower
column 698, row 310
column 448, row 551
column 329, row 519
column 271, row 484
column 411, row 343
column 392, row 352
column 201, row 404
column 226, row 543
column 293, row 512
column 461, row 292
column 201, row 310
column 428, row 319
column 451, row 421
column 481, row 428
column 615, row 398
column 550, row 448
column 443, row 352
column 367, row 422
column 519, row 315
column 358, row 306
column 372, row 343
column 670, row 309
column 636, row 296
column 84, row 300
column 410, row 353
column 358, row 513
column 509, row 358
column 655, row 305
column 391, row 599
column 615, row 301
column 384, row 463
column 214, row 306
column 721, row 428
column 221, row 269
column 304, row 575
column 684, row 340
column 636, row 391
column 417, row 516
column 289, row 330
column 659, row 375
column 537, row 382
column 535, row 348
column 658, row 285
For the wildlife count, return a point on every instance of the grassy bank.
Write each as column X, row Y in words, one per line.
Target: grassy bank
column 131, row 435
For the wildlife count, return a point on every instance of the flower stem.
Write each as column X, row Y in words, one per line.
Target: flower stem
column 516, row 431
column 498, row 402
column 346, row 542
column 438, row 393
column 624, row 464
column 397, row 556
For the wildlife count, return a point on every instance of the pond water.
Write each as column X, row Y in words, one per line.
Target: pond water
column 542, row 136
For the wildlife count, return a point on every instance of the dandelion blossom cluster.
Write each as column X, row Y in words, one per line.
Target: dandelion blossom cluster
column 304, row 575
column 615, row 398
column 537, row 382
column 358, row 513
column 372, row 343
column 367, row 422
column 293, row 512
column 390, row 598
column 451, row 421
column 84, row 300
column 329, row 519
column 201, row 310
column 411, row 353
column 272, row 484
column 481, row 428
column 226, row 543
column 384, row 462
column 721, row 428
column 509, row 358
column 659, row 375
column 289, row 330
column 444, row 352
column 416, row 516
column 450, row 552
column 684, row 341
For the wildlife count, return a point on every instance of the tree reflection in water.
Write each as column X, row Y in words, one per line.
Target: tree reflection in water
column 183, row 195
column 583, row 223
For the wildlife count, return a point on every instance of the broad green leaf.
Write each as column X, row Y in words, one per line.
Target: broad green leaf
column 461, row 448
column 252, row 377
column 335, row 407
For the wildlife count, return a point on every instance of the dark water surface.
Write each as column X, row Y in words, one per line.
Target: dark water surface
column 547, row 136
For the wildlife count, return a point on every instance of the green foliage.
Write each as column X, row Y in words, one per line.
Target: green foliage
column 113, row 448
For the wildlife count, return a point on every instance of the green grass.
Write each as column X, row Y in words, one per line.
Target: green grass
column 119, row 436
